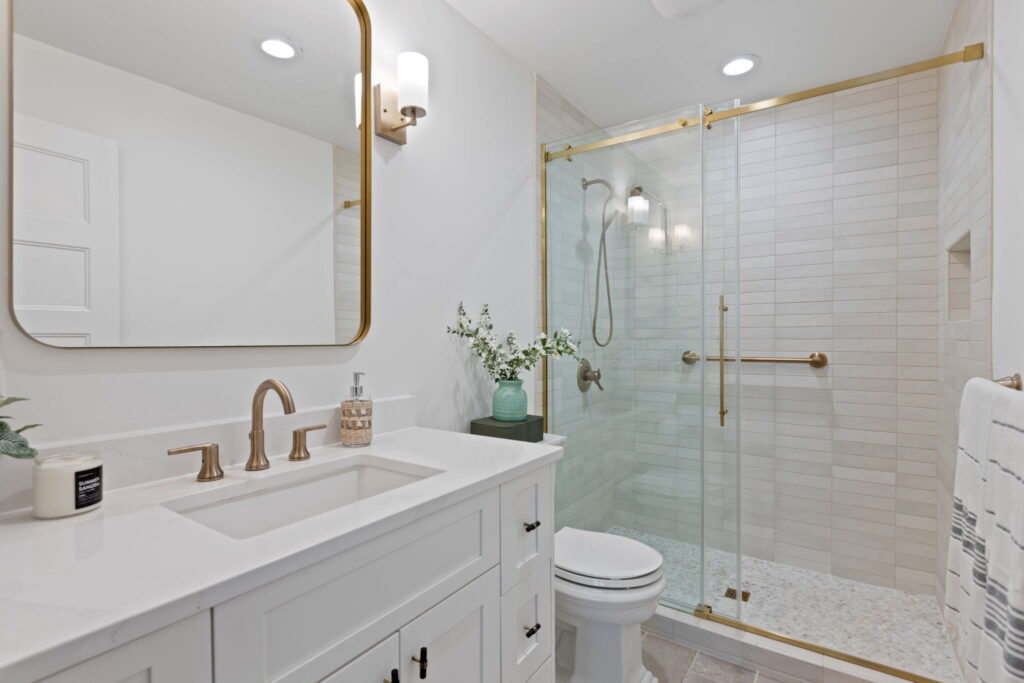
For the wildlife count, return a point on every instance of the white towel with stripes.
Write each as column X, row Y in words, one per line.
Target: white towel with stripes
column 985, row 581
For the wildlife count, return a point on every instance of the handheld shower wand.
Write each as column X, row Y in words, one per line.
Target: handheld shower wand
column 602, row 262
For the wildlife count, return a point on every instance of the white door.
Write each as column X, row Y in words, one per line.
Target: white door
column 460, row 637
column 66, row 234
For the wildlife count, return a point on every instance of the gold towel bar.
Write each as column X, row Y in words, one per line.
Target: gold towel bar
column 815, row 360
column 1013, row 382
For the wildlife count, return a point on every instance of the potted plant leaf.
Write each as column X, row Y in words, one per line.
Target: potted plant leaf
column 13, row 441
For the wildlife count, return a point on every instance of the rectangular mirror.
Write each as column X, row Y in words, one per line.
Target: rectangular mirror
column 190, row 173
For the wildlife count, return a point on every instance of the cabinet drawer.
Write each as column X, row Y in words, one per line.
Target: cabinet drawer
column 524, row 546
column 179, row 652
column 527, row 630
column 304, row 626
column 460, row 637
column 375, row 665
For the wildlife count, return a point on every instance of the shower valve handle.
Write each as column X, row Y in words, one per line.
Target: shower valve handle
column 587, row 375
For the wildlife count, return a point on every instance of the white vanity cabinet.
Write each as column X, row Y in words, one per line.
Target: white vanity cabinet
column 469, row 586
column 468, row 583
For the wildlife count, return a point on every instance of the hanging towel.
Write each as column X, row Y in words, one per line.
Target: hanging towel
column 984, row 608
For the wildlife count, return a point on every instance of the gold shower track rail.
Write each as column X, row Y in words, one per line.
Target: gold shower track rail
column 968, row 54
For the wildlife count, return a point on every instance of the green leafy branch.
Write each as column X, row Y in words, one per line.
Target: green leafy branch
column 505, row 359
column 12, row 442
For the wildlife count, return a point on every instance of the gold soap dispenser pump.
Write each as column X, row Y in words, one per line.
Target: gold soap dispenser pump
column 357, row 415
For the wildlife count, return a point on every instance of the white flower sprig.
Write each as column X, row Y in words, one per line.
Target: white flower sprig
column 504, row 361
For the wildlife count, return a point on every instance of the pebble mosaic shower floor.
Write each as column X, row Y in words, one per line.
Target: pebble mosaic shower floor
column 885, row 625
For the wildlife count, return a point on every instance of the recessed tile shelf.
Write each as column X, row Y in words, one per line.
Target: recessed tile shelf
column 959, row 280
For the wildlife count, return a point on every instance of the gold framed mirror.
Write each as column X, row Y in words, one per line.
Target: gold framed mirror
column 190, row 174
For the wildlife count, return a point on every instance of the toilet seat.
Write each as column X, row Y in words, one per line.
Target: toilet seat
column 605, row 561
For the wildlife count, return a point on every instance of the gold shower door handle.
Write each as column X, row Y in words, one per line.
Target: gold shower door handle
column 722, row 308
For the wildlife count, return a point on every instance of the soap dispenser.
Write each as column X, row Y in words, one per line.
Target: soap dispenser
column 357, row 416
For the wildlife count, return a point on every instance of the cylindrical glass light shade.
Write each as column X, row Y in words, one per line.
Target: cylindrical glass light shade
column 357, row 87
column 413, row 84
column 638, row 209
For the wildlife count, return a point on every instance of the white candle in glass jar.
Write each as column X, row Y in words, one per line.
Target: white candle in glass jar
column 67, row 484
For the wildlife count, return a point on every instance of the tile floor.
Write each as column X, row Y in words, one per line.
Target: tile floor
column 673, row 663
column 882, row 624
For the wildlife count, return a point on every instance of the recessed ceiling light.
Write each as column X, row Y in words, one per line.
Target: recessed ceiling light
column 279, row 48
column 737, row 66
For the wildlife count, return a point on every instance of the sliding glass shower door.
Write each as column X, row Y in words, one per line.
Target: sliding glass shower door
column 641, row 246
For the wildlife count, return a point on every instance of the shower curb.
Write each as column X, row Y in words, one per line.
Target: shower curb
column 782, row 662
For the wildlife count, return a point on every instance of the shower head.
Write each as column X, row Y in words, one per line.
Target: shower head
column 596, row 181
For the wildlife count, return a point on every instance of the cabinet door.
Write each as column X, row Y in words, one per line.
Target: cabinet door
column 461, row 637
column 371, row 667
column 527, row 526
column 179, row 652
column 527, row 631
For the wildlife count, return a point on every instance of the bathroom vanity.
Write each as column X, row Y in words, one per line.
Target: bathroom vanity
column 427, row 554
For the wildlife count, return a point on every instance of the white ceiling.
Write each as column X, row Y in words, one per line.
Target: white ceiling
column 620, row 60
column 209, row 49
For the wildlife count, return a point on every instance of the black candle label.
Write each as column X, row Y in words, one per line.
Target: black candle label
column 88, row 487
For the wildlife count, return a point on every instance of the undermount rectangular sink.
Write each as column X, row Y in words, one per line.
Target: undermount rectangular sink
column 260, row 505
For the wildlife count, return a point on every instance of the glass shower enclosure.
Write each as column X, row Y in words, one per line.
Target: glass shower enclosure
column 642, row 267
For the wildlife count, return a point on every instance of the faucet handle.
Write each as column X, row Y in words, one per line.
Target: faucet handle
column 210, row 469
column 299, row 449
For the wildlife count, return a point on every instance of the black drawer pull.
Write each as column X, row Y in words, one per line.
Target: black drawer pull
column 531, row 527
column 422, row 659
column 394, row 677
column 531, row 631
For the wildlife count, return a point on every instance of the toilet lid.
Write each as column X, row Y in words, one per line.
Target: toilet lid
column 604, row 556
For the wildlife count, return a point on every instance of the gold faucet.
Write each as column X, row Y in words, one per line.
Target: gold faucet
column 257, row 445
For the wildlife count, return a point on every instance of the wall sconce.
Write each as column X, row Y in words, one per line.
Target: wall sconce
column 396, row 110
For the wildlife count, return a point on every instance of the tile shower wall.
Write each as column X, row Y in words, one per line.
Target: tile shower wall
column 839, row 254
column 584, row 481
column 965, row 190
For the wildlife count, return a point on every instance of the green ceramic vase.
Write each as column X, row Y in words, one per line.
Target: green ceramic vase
column 509, row 404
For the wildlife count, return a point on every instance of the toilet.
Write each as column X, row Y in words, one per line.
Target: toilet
column 605, row 587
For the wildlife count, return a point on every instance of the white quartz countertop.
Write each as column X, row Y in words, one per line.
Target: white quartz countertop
column 73, row 588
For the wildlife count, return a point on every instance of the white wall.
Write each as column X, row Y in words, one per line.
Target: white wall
column 226, row 219
column 1008, row 178
column 453, row 219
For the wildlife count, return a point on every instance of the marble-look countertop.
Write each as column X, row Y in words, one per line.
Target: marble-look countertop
column 73, row 588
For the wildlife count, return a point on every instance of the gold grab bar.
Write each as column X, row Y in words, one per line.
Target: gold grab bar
column 1013, row 382
column 722, row 308
column 815, row 360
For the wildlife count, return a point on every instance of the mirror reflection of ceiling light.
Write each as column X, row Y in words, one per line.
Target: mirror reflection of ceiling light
column 737, row 66
column 279, row 48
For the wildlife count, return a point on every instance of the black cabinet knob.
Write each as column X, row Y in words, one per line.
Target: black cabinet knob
column 394, row 677
column 531, row 631
column 531, row 526
column 422, row 660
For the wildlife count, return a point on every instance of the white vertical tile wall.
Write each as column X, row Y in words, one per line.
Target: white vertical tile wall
column 965, row 190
